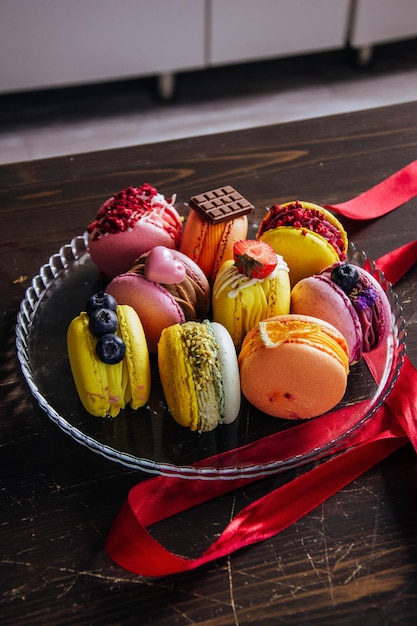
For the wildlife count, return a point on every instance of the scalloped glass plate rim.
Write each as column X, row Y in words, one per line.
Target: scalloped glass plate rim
column 70, row 254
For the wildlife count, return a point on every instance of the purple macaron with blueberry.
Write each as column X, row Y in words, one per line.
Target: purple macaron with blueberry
column 351, row 299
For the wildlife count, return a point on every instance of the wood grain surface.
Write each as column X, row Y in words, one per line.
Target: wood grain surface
column 353, row 557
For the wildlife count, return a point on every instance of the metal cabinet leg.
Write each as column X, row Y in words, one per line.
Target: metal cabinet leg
column 166, row 85
column 363, row 56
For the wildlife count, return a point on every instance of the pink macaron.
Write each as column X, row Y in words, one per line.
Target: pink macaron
column 130, row 223
column 351, row 299
column 164, row 287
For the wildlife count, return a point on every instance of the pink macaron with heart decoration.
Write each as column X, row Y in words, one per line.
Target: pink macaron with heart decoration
column 164, row 287
column 132, row 222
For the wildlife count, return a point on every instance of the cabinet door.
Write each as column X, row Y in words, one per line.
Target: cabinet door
column 61, row 42
column 244, row 30
column 378, row 21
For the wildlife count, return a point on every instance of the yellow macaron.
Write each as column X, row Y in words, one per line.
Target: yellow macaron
column 307, row 235
column 251, row 288
column 106, row 388
column 199, row 374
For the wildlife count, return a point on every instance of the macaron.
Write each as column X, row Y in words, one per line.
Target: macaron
column 217, row 219
column 199, row 375
column 109, row 357
column 294, row 367
column 164, row 287
column 130, row 223
column 351, row 299
column 307, row 235
column 250, row 288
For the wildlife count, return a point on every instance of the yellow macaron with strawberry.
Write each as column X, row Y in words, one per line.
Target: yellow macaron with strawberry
column 252, row 287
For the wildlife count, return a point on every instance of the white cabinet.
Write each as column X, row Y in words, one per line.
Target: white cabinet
column 51, row 43
column 243, row 30
column 47, row 43
column 383, row 21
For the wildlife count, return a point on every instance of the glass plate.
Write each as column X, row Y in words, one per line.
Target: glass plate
column 149, row 439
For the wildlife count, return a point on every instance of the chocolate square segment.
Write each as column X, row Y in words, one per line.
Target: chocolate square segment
column 220, row 205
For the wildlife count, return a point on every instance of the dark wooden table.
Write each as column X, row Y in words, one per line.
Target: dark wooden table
column 355, row 557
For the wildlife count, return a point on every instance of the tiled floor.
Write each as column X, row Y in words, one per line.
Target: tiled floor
column 73, row 120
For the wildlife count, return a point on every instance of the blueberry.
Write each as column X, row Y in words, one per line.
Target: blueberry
column 103, row 321
column 110, row 349
column 100, row 300
column 345, row 276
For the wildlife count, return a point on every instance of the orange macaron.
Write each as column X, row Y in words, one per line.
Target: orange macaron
column 217, row 219
column 294, row 366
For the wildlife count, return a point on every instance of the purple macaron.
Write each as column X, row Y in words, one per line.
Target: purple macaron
column 351, row 299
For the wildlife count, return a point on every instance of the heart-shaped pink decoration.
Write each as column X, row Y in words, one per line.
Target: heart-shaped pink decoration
column 162, row 267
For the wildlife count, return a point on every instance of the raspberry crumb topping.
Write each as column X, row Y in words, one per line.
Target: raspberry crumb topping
column 122, row 211
column 302, row 217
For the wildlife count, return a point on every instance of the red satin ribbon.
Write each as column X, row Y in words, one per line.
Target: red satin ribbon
column 131, row 545
column 397, row 263
column 383, row 197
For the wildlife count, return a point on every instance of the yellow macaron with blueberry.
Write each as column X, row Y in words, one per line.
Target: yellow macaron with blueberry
column 109, row 357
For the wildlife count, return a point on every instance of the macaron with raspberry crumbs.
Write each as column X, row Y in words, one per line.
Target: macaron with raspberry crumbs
column 308, row 236
column 130, row 223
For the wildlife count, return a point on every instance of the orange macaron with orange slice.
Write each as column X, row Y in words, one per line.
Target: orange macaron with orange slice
column 294, row 366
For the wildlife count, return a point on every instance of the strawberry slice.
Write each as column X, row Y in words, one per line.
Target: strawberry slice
column 254, row 258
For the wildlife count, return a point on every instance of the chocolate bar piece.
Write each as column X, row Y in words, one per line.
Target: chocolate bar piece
column 220, row 205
